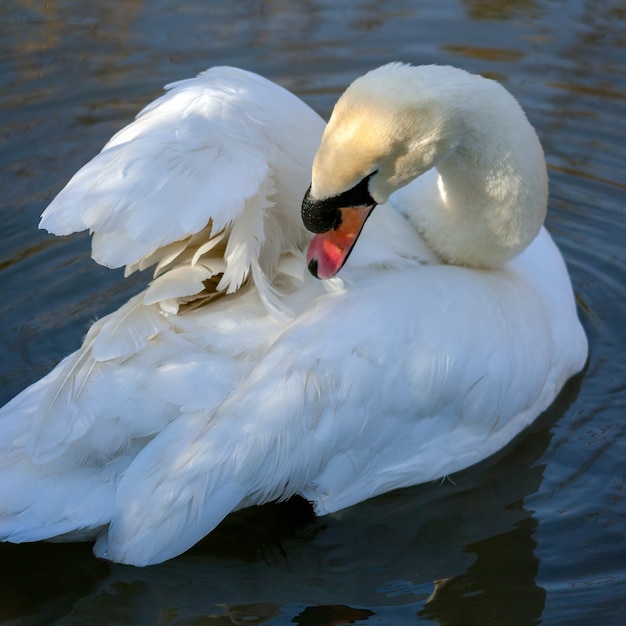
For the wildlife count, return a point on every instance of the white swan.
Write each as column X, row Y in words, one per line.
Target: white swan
column 236, row 378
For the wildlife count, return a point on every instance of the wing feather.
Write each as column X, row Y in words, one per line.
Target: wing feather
column 207, row 158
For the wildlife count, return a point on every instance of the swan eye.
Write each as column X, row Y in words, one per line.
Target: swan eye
column 320, row 216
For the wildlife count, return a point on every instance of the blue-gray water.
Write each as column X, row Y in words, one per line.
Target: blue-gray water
column 536, row 535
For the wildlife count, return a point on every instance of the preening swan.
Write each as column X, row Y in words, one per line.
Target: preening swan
column 237, row 378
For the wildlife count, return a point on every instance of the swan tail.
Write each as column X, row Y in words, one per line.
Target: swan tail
column 72, row 506
column 172, row 536
column 175, row 492
column 255, row 447
column 65, row 440
column 46, row 500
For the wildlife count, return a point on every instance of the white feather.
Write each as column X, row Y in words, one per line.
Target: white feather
column 60, row 419
column 127, row 331
column 201, row 154
column 182, row 406
column 178, row 282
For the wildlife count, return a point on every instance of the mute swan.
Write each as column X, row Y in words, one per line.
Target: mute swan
column 236, row 378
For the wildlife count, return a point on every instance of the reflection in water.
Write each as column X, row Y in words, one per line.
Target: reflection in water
column 331, row 615
column 503, row 562
column 53, row 22
column 374, row 560
column 487, row 54
column 45, row 579
column 500, row 9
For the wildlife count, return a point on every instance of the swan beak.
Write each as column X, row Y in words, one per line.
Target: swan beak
column 329, row 251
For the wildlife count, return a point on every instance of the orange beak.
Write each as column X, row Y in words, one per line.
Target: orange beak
column 329, row 251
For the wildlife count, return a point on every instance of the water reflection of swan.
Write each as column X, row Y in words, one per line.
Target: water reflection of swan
column 235, row 378
column 381, row 556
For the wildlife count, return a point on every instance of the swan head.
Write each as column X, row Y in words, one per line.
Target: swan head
column 397, row 122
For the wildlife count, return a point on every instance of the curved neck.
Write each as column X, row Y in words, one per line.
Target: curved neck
column 491, row 193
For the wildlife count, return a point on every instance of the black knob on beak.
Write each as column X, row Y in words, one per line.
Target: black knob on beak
column 319, row 216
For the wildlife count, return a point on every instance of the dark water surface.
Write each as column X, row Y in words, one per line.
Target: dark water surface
column 536, row 535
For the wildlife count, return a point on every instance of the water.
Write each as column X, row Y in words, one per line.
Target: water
column 535, row 535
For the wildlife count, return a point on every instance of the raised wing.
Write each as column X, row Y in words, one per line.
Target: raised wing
column 207, row 181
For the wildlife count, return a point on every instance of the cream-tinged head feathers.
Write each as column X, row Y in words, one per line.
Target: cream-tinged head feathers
column 398, row 121
column 385, row 121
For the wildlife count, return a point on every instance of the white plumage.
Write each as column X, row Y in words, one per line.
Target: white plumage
column 236, row 378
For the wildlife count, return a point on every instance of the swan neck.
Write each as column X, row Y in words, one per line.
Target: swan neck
column 491, row 191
